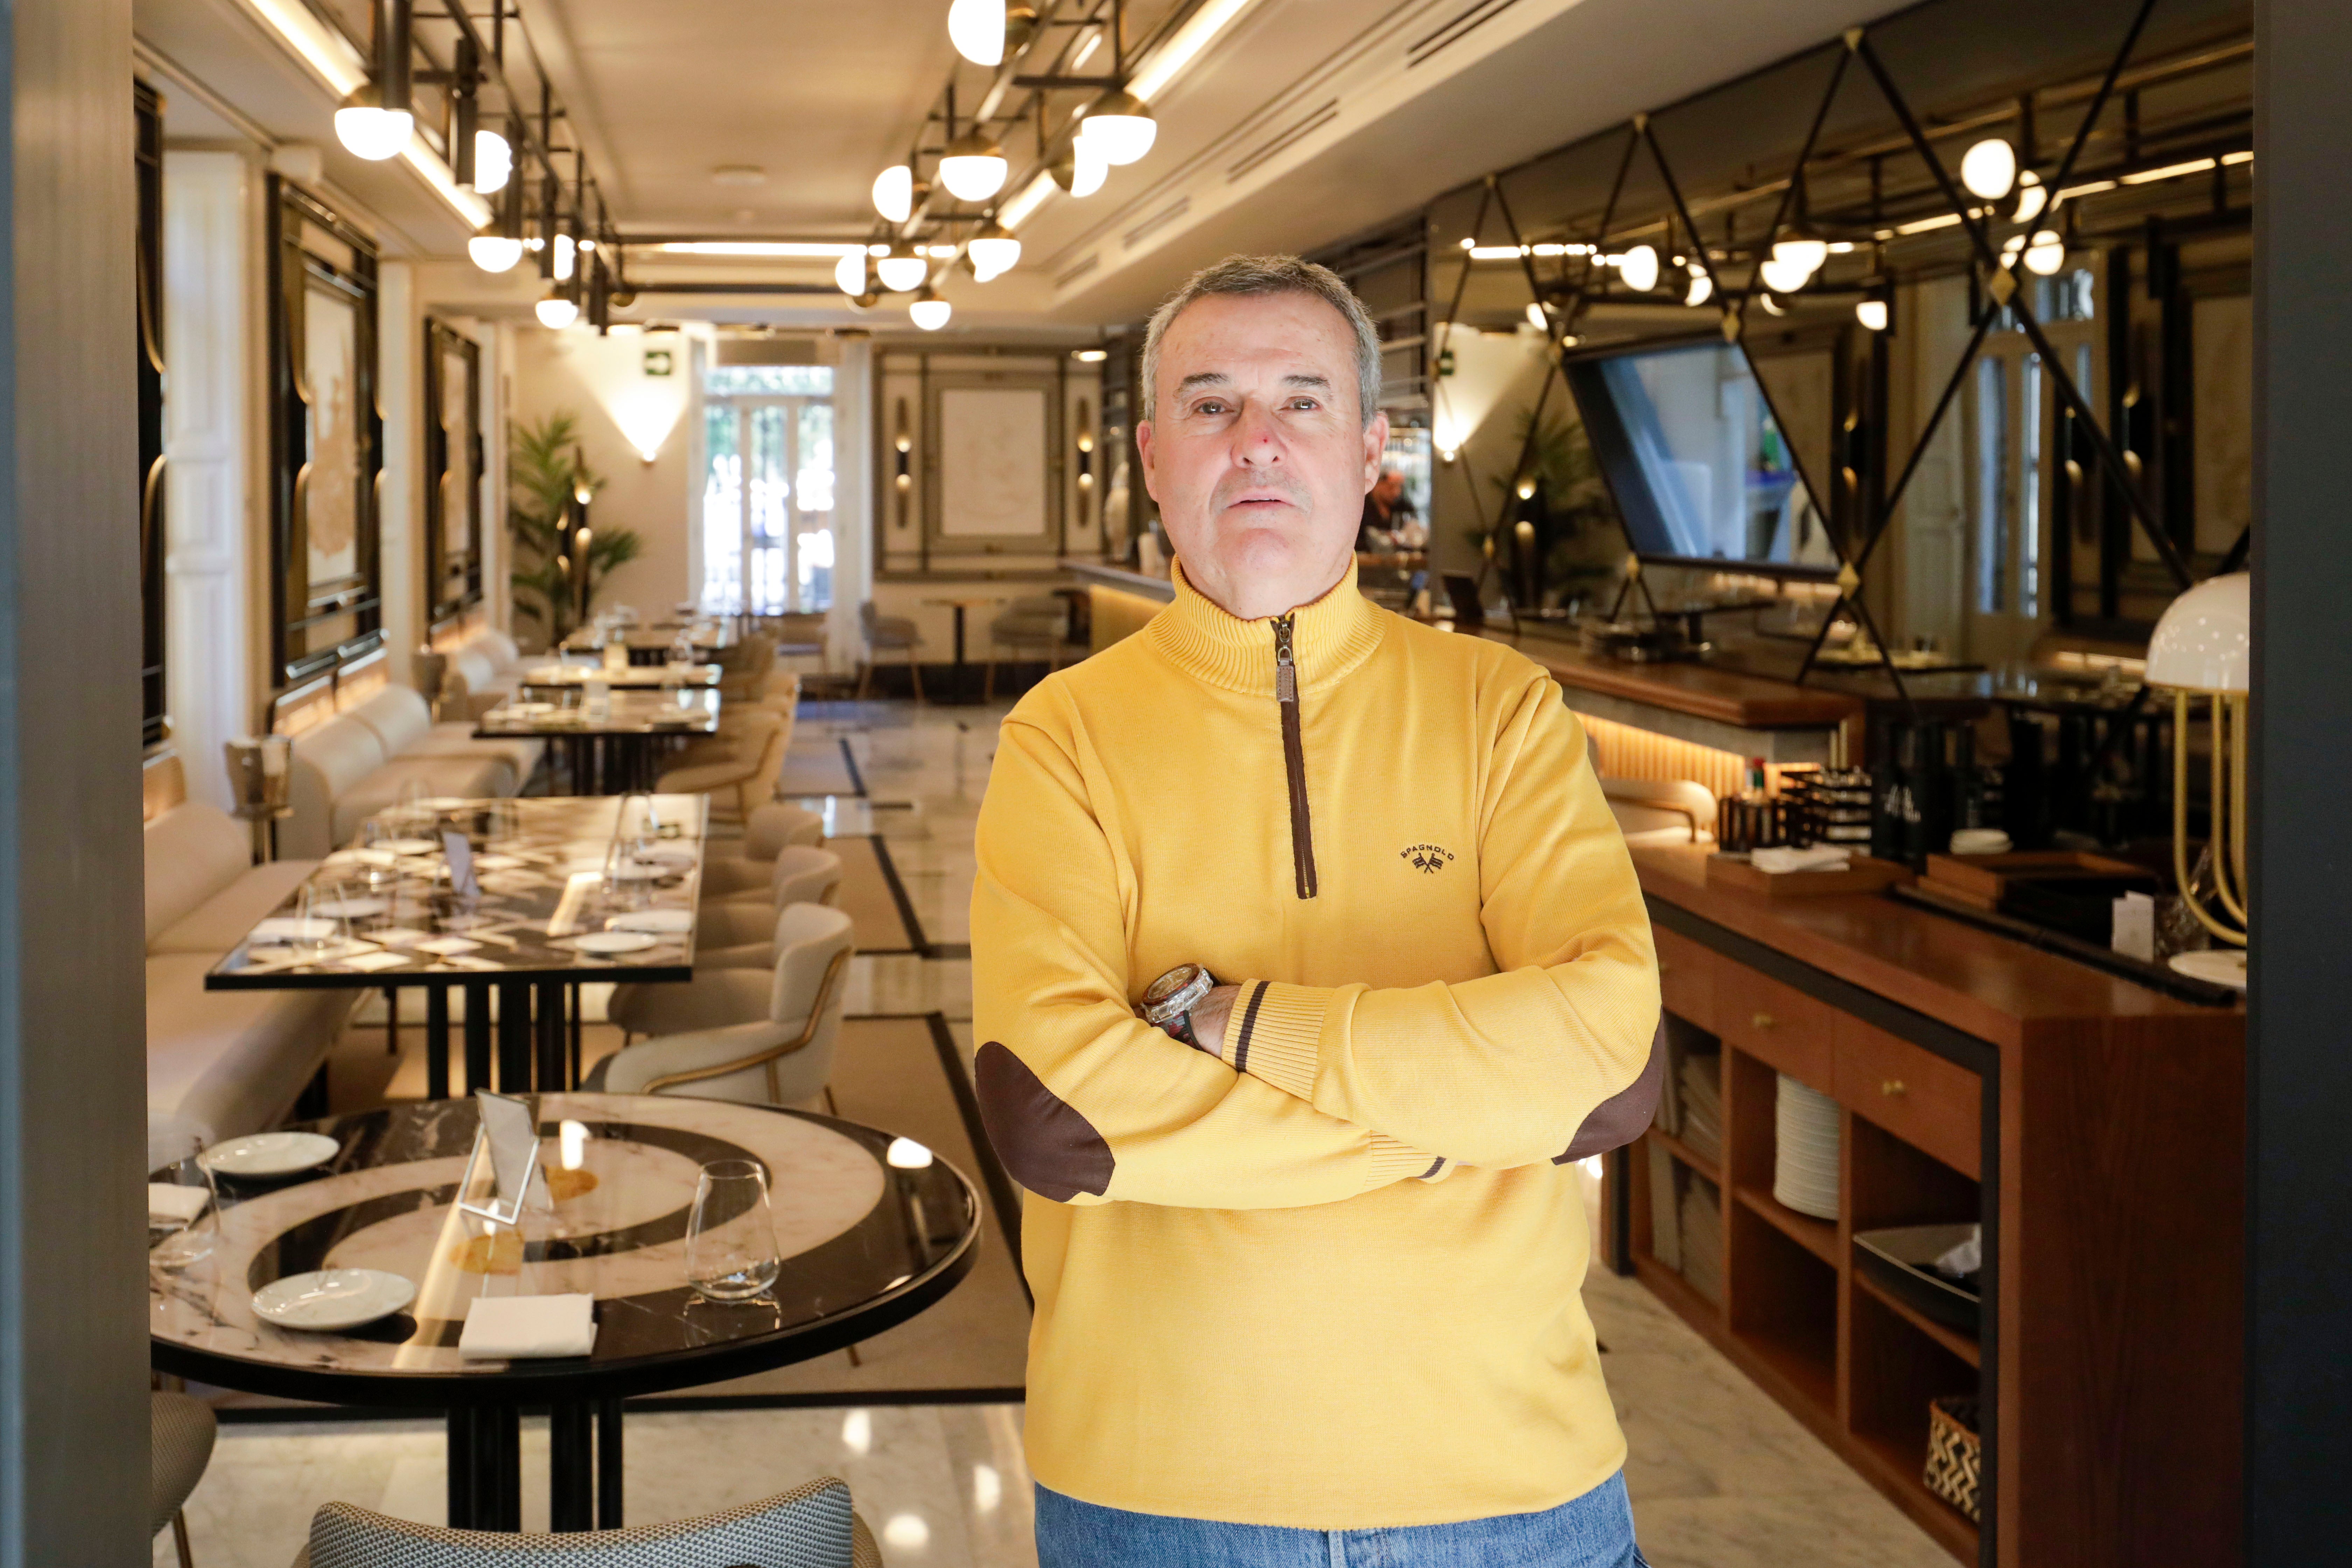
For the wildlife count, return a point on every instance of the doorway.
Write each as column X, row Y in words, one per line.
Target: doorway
column 768, row 534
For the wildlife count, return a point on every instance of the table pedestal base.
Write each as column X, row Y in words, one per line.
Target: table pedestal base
column 584, row 1488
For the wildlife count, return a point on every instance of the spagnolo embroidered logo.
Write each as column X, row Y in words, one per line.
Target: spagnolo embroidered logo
column 1428, row 857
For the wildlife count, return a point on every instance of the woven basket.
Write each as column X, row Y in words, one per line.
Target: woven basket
column 1954, row 1455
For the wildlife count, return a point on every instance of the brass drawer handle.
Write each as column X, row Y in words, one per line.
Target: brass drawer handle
column 1892, row 1087
column 1763, row 1020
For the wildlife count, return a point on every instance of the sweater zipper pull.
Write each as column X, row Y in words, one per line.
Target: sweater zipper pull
column 1294, row 758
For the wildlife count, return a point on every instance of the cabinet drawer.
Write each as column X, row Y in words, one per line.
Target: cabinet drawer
column 1685, row 978
column 1932, row 1104
column 1775, row 1024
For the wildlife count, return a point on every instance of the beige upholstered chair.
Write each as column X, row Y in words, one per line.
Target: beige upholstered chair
column 757, row 1036
column 746, row 865
column 811, row 1526
column 740, row 772
column 887, row 634
column 1035, row 626
column 180, row 1444
column 736, row 932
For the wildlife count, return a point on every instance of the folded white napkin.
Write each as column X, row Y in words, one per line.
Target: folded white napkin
column 510, row 1328
column 1820, row 858
column 165, row 1200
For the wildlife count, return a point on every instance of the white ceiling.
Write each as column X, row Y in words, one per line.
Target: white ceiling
column 821, row 96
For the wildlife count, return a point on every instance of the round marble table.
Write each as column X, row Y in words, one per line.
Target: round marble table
column 868, row 1241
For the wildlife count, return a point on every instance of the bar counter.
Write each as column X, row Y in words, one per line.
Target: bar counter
column 2093, row 1126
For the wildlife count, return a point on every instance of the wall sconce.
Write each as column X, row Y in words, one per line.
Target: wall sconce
column 904, row 445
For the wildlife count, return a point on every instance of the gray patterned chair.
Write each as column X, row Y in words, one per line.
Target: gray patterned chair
column 181, row 1434
column 811, row 1526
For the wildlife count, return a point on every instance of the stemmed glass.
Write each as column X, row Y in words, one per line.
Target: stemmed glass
column 185, row 1238
column 730, row 1236
column 321, row 925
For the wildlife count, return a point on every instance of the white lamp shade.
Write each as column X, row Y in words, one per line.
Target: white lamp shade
column 1639, row 268
column 992, row 256
column 2032, row 197
column 900, row 273
column 494, row 252
column 1088, row 168
column 976, row 29
column 894, row 193
column 1702, row 288
column 373, row 134
column 1871, row 313
column 556, row 312
column 2046, row 255
column 1121, row 128
column 849, row 274
column 1783, row 276
column 1989, row 169
column 567, row 256
column 973, row 176
column 1801, row 255
column 493, row 162
column 2206, row 640
column 931, row 313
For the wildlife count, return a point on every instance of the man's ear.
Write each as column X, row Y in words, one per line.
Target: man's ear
column 1376, row 446
column 1143, row 450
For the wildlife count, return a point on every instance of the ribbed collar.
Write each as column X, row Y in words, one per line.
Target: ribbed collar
column 1331, row 636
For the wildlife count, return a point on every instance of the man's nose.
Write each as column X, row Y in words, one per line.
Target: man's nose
column 1257, row 438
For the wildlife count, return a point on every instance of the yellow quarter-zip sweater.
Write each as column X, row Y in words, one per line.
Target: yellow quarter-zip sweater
column 1332, row 1281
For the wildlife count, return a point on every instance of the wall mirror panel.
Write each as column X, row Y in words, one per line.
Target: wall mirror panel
column 454, row 467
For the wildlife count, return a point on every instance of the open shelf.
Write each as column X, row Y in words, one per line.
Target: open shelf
column 1783, row 1303
column 1817, row 1236
column 1952, row 1340
column 1902, row 1478
column 1689, row 1156
column 1896, row 1370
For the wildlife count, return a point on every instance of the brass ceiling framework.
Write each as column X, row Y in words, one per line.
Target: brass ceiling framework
column 2209, row 144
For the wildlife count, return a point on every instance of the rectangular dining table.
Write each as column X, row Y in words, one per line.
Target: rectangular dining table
column 651, row 643
column 573, row 674
column 541, row 889
column 616, row 750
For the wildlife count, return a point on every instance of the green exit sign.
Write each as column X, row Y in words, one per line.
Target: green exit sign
column 659, row 361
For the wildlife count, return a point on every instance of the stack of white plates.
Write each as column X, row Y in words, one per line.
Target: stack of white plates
column 1805, row 1165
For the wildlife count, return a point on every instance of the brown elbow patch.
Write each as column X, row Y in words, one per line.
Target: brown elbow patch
column 1622, row 1117
column 1047, row 1145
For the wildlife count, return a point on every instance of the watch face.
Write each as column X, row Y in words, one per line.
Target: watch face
column 1170, row 984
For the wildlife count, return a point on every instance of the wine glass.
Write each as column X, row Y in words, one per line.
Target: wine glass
column 179, row 1237
column 730, row 1236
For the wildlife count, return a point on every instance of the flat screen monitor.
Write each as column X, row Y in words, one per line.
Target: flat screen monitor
column 1700, row 466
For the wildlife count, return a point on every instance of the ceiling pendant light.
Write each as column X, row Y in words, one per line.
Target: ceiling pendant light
column 2032, row 195
column 1082, row 170
column 1702, row 287
column 903, row 269
column 993, row 251
column 493, row 162
column 1638, row 268
column 557, row 311
column 849, row 273
column 368, row 129
column 567, row 254
column 2046, row 255
column 1121, row 128
column 894, row 193
column 986, row 31
column 1783, row 276
column 494, row 252
column 1800, row 249
column 1989, row 169
column 929, row 311
column 973, row 167
column 1871, row 313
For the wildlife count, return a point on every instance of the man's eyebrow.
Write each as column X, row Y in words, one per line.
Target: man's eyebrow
column 1203, row 378
column 1302, row 379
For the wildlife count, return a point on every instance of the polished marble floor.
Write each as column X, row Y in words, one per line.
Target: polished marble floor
column 1720, row 1476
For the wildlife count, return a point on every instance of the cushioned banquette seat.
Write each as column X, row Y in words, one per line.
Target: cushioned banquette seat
column 219, row 1063
column 484, row 671
column 362, row 761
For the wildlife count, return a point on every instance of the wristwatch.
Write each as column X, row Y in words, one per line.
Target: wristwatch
column 1168, row 1000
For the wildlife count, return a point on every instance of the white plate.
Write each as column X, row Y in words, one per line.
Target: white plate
column 268, row 1154
column 674, row 922
column 612, row 942
column 445, row 802
column 642, row 871
column 527, row 709
column 331, row 1299
column 410, row 845
column 498, row 862
column 2221, row 965
column 290, row 928
column 348, row 908
column 667, row 855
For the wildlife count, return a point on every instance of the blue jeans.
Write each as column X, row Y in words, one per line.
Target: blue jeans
column 1595, row 1531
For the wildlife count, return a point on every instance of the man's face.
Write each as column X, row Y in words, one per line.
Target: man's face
column 1391, row 486
column 1256, row 451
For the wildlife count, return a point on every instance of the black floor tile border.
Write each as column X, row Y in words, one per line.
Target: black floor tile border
column 923, row 945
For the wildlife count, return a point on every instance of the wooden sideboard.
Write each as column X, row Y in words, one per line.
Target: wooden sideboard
column 2096, row 1129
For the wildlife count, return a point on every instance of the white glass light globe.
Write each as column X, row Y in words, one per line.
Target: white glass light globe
column 931, row 313
column 2046, row 255
column 1989, row 169
column 976, row 29
column 556, row 312
column 1871, row 313
column 992, row 256
column 1088, row 168
column 373, row 134
column 894, row 193
column 1639, row 268
column 1801, row 255
column 973, row 176
column 493, row 162
column 567, row 257
column 849, row 274
column 494, row 252
column 1702, row 288
column 2032, row 195
column 1121, row 128
column 1784, row 277
column 901, row 273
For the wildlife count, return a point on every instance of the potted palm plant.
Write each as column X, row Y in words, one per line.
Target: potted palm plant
column 545, row 471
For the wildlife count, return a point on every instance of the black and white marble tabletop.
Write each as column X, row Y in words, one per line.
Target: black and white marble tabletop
column 871, row 1229
column 679, row 710
column 573, row 674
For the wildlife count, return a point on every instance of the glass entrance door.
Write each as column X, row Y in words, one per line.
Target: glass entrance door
column 767, row 505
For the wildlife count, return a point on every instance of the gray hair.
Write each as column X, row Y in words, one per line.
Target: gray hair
column 1246, row 274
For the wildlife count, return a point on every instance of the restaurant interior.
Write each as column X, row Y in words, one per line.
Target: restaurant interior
column 603, row 472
